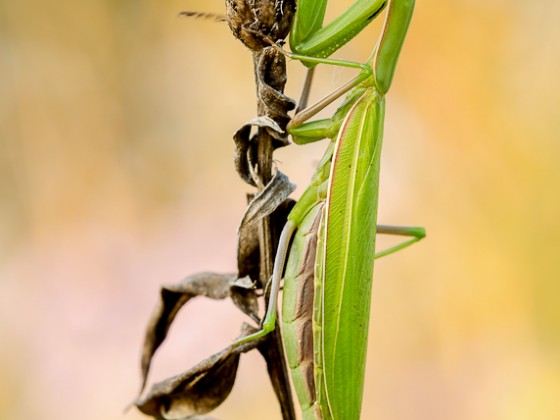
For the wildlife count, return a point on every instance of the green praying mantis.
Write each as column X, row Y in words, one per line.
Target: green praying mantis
column 327, row 247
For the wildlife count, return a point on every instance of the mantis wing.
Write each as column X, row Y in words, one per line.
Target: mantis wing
column 348, row 255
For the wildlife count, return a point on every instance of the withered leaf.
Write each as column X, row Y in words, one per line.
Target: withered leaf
column 268, row 200
column 271, row 350
column 173, row 297
column 270, row 73
column 248, row 250
column 200, row 389
column 246, row 145
column 242, row 139
column 242, row 292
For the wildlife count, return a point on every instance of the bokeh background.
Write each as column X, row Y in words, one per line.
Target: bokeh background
column 116, row 175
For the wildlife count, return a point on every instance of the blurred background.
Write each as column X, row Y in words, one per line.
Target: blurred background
column 116, row 175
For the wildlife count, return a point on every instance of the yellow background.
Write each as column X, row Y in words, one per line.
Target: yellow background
column 116, row 175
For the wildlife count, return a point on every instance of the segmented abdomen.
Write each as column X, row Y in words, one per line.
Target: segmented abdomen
column 297, row 310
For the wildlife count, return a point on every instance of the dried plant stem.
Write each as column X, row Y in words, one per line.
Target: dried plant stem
column 268, row 243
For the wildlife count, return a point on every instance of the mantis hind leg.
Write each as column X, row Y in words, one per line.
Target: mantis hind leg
column 416, row 233
column 269, row 322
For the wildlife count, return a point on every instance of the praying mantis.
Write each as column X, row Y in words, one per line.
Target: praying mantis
column 327, row 247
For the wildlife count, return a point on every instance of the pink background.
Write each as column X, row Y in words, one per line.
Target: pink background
column 116, row 175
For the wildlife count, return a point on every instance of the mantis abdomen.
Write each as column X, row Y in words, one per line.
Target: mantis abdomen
column 348, row 256
column 297, row 310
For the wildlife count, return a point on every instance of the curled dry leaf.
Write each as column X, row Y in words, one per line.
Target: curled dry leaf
column 267, row 200
column 242, row 292
column 200, row 389
column 173, row 297
column 248, row 250
column 270, row 74
column 245, row 155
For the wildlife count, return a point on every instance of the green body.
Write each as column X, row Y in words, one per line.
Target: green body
column 343, row 266
column 327, row 247
column 344, row 255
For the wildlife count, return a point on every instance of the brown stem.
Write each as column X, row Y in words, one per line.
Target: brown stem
column 274, row 77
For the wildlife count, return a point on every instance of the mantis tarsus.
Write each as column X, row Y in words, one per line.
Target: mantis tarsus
column 329, row 239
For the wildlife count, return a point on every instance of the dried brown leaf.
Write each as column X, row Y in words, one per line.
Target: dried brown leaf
column 268, row 200
column 248, row 251
column 200, row 389
column 242, row 292
column 245, row 154
column 172, row 299
column 270, row 74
